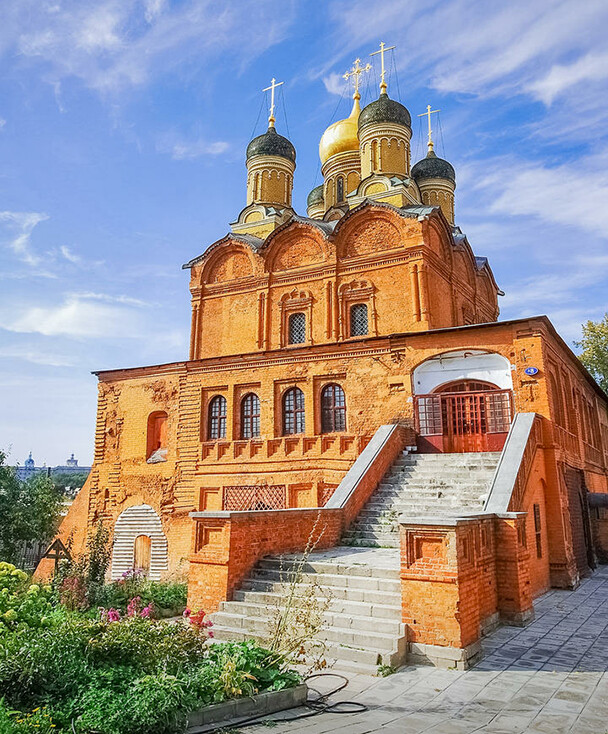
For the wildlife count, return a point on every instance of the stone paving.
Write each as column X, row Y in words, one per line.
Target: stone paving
column 549, row 677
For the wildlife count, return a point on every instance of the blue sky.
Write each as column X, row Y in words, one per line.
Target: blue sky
column 123, row 126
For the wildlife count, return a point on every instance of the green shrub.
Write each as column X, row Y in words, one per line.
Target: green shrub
column 68, row 671
column 162, row 595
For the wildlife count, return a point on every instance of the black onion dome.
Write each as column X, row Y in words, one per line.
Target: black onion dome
column 315, row 196
column 271, row 143
column 385, row 109
column 433, row 167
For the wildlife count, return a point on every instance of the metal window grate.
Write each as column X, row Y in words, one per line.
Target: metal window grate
column 297, row 328
column 217, row 417
column 333, row 409
column 241, row 497
column 359, row 323
column 293, row 411
column 250, row 416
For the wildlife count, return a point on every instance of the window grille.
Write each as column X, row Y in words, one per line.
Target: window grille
column 217, row 418
column 537, row 532
column 359, row 325
column 250, row 416
column 333, row 409
column 293, row 411
column 265, row 497
column 340, row 190
column 297, row 328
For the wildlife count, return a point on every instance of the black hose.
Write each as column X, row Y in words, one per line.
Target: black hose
column 317, row 705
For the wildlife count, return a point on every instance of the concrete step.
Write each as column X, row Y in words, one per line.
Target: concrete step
column 348, row 658
column 339, row 635
column 332, row 618
column 367, row 583
column 389, row 607
column 269, row 590
column 322, row 568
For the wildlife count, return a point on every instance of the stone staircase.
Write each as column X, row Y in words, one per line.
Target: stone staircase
column 421, row 485
column 362, row 624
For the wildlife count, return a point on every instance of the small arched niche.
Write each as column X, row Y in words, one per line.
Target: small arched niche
column 139, row 538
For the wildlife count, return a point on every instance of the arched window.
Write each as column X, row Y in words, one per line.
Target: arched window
column 293, row 411
column 250, row 416
column 297, row 328
column 374, row 155
column 333, row 409
column 339, row 190
column 359, row 325
column 217, row 418
column 156, row 449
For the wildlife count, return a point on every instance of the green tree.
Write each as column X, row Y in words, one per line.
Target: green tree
column 29, row 511
column 595, row 350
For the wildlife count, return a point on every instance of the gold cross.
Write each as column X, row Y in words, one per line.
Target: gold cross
column 428, row 114
column 273, row 85
column 356, row 72
column 383, row 48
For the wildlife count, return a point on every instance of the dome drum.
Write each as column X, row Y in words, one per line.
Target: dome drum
column 385, row 149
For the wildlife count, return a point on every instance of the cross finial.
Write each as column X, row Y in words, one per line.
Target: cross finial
column 428, row 114
column 356, row 72
column 273, row 85
column 383, row 48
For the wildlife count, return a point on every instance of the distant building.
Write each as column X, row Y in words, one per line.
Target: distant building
column 29, row 468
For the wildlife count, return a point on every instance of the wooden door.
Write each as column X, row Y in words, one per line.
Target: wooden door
column 142, row 553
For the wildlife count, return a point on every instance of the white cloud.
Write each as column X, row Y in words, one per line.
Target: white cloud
column 69, row 255
column 116, row 44
column 195, row 149
column 2, row 122
column 21, row 225
column 41, row 357
column 571, row 194
column 334, row 83
column 561, row 77
column 83, row 316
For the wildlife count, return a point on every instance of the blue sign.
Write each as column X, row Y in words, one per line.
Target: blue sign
column 531, row 371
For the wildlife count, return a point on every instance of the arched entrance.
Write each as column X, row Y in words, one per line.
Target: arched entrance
column 139, row 542
column 464, row 414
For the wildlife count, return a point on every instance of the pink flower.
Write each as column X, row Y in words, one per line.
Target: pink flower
column 132, row 606
column 146, row 611
column 187, row 612
column 210, row 633
column 113, row 615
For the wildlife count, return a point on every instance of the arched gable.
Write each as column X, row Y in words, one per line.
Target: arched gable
column 368, row 229
column 464, row 268
column 232, row 260
column 438, row 237
column 295, row 245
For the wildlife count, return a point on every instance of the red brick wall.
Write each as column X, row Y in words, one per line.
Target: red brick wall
column 227, row 548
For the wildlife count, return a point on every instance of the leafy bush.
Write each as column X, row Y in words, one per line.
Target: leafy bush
column 22, row 603
column 167, row 598
column 80, row 674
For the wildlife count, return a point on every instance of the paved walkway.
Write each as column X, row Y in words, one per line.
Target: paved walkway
column 550, row 677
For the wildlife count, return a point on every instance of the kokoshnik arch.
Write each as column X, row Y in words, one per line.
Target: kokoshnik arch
column 313, row 336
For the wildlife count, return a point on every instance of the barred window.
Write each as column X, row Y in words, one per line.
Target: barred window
column 250, row 416
column 293, row 411
column 333, row 409
column 297, row 328
column 358, row 320
column 340, row 190
column 217, row 418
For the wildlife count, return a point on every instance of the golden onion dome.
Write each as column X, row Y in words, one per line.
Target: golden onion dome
column 342, row 135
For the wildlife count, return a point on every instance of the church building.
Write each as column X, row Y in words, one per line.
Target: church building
column 349, row 379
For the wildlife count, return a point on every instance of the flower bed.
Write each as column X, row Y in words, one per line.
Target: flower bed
column 115, row 671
